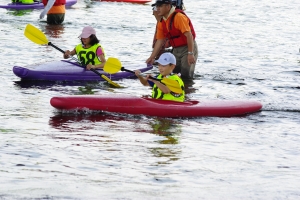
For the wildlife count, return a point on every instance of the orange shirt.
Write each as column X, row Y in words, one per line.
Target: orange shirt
column 57, row 9
column 181, row 22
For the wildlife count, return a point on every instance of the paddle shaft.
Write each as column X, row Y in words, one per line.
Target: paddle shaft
column 59, row 49
column 96, row 72
column 127, row 70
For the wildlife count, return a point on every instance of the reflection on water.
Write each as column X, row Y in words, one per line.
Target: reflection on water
column 65, row 121
column 76, row 122
column 84, row 87
column 44, row 84
column 171, row 130
column 53, row 30
column 168, row 128
column 165, row 127
column 20, row 12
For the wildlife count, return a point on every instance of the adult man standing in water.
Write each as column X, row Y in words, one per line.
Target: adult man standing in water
column 177, row 27
column 165, row 45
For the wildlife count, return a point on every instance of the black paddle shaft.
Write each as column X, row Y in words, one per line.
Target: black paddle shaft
column 127, row 70
column 59, row 49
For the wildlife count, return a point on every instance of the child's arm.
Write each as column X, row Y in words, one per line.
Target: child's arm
column 49, row 5
column 100, row 55
column 161, row 86
column 103, row 61
column 142, row 79
column 68, row 53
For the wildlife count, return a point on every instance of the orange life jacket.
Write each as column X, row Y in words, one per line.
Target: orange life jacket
column 176, row 38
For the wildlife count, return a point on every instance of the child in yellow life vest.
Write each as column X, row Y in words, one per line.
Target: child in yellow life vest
column 166, row 65
column 89, row 52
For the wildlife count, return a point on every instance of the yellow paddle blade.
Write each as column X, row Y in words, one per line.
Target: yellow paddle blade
column 173, row 85
column 112, row 65
column 110, row 81
column 35, row 35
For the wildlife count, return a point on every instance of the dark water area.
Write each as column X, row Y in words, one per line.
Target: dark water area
column 247, row 50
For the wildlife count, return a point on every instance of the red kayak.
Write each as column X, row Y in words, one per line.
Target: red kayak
column 156, row 107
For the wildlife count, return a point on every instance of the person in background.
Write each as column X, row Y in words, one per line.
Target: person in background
column 166, row 65
column 55, row 10
column 177, row 27
column 165, row 45
column 89, row 52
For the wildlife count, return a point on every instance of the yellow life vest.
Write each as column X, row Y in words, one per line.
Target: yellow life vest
column 158, row 94
column 88, row 55
column 27, row 1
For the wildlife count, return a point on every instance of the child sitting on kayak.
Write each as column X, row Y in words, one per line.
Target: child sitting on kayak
column 166, row 65
column 89, row 52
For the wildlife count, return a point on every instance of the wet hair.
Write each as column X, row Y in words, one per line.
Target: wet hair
column 94, row 40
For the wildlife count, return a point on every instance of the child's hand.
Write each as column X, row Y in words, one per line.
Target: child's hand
column 90, row 66
column 67, row 54
column 137, row 73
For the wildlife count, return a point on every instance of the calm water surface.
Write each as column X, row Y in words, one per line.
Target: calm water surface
column 248, row 50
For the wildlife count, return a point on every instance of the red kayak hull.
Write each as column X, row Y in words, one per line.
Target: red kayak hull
column 156, row 107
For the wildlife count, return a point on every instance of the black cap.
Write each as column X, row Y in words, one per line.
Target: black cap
column 160, row 2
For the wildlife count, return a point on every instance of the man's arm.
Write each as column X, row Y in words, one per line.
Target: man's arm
column 190, row 44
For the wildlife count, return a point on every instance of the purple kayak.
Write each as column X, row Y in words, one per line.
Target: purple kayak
column 35, row 5
column 65, row 70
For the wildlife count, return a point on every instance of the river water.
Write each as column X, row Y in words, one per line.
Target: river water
column 247, row 50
